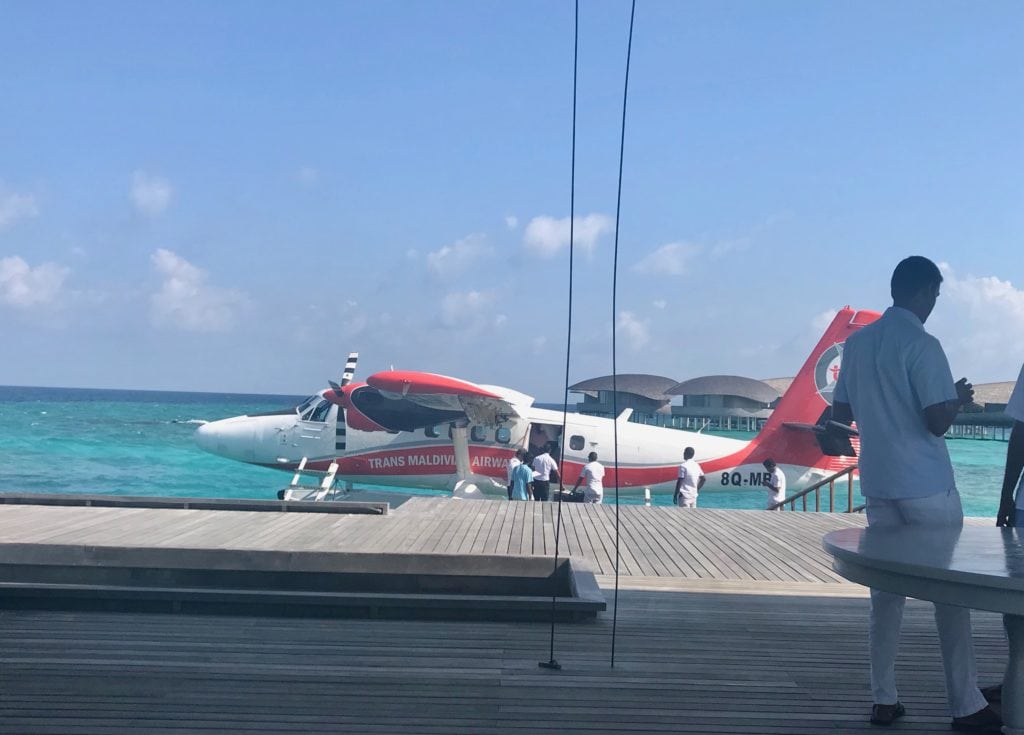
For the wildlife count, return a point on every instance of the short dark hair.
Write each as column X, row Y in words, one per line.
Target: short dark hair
column 769, row 463
column 592, row 457
column 913, row 274
column 688, row 452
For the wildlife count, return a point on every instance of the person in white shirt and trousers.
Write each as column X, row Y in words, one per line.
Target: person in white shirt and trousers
column 1012, row 513
column 775, row 481
column 895, row 382
column 593, row 475
column 689, row 482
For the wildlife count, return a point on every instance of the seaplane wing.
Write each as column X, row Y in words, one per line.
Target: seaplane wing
column 405, row 400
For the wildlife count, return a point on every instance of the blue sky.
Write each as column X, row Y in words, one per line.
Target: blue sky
column 232, row 196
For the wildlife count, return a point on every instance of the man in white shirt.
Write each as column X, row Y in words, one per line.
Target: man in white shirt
column 895, row 382
column 543, row 467
column 776, row 484
column 689, row 482
column 1011, row 514
column 512, row 464
column 593, row 475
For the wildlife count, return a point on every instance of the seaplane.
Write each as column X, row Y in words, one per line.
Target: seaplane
column 423, row 430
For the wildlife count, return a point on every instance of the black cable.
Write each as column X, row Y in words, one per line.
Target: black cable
column 615, row 277
column 551, row 663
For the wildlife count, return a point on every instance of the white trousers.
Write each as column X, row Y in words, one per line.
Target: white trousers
column 953, row 623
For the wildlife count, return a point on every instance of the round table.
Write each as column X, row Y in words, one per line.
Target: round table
column 980, row 567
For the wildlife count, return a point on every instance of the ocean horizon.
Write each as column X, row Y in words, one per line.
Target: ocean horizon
column 140, row 442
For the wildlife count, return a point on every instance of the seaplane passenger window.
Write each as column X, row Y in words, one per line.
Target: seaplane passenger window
column 576, row 442
column 320, row 412
column 503, row 435
column 432, row 432
column 478, row 433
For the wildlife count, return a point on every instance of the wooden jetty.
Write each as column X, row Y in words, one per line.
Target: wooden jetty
column 728, row 622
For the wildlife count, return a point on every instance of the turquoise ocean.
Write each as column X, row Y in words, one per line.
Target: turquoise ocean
column 126, row 442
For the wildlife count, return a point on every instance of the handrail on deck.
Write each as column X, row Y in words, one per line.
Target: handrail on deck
column 816, row 489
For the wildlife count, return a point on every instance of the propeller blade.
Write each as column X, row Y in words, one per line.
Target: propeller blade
column 350, row 368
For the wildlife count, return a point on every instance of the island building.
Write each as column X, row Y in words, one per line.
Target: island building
column 736, row 403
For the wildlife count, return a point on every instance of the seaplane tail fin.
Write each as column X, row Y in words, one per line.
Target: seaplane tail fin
column 800, row 430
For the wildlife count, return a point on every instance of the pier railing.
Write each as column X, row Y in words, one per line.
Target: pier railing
column 816, row 488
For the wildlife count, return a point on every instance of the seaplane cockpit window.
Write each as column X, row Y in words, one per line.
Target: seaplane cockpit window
column 432, row 432
column 302, row 407
column 576, row 442
column 503, row 435
column 478, row 433
column 320, row 412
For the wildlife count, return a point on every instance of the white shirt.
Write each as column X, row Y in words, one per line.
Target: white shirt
column 593, row 474
column 690, row 473
column 1015, row 410
column 542, row 466
column 776, row 487
column 512, row 464
column 891, row 371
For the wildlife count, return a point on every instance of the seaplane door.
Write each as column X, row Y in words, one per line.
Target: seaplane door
column 314, row 431
column 540, row 435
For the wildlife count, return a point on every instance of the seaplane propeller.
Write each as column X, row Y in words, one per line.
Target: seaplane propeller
column 346, row 378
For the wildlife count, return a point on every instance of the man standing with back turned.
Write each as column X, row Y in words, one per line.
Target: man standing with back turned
column 690, row 481
column 895, row 382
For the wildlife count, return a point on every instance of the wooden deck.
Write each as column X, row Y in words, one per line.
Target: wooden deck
column 685, row 663
column 728, row 622
column 655, row 542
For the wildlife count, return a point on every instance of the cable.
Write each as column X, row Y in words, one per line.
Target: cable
column 615, row 277
column 551, row 663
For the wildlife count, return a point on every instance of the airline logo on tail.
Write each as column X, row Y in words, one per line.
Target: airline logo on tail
column 826, row 372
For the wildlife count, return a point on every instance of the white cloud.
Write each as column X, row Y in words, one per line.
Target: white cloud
column 308, row 176
column 186, row 301
column 511, row 222
column 821, row 321
column 545, row 236
column 456, row 259
column 468, row 310
column 981, row 322
column 24, row 287
column 471, row 316
column 150, row 194
column 669, row 260
column 659, row 303
column 14, row 207
column 723, row 247
column 635, row 331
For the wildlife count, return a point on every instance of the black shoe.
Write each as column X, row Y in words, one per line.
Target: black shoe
column 886, row 714
column 983, row 721
column 993, row 693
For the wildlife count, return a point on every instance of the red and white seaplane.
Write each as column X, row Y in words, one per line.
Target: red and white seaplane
column 424, row 430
